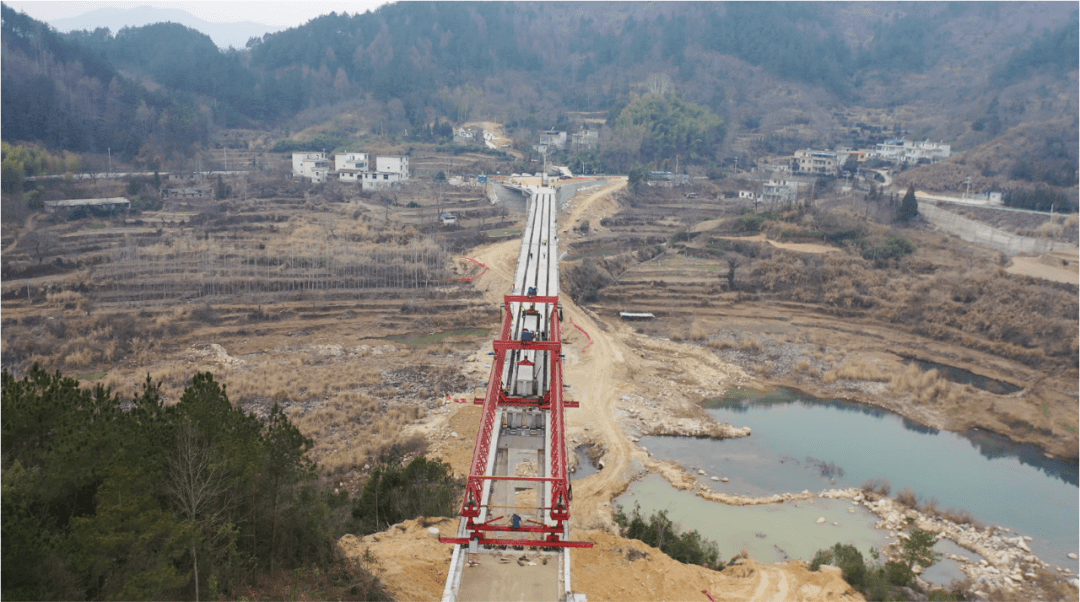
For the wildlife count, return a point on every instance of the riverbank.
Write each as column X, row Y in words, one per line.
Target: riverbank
column 1003, row 567
column 874, row 364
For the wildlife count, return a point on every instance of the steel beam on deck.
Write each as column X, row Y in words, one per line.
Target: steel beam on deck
column 546, row 543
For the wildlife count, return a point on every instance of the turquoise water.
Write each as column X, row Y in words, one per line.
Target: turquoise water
column 770, row 532
column 800, row 442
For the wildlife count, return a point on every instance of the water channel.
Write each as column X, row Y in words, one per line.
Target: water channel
column 800, row 442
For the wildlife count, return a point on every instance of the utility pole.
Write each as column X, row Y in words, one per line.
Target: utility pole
column 110, row 159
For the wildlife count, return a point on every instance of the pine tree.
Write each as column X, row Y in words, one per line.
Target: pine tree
column 909, row 207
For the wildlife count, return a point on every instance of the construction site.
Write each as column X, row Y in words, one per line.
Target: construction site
column 508, row 385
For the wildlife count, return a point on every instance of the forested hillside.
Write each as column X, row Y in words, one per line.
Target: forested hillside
column 965, row 72
column 129, row 499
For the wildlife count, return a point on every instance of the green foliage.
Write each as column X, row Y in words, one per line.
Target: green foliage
column 672, row 127
column 898, row 573
column 909, row 206
column 327, row 142
column 637, row 177
column 395, row 493
column 752, row 222
column 461, row 149
column 876, row 581
column 894, row 247
column 845, row 556
column 658, row 531
column 101, row 502
column 1040, row 199
column 918, row 548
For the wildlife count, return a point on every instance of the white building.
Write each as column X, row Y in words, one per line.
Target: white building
column 779, row 190
column 393, row 164
column 820, row 162
column 583, row 139
column 350, row 163
column 375, row 180
column 553, row 138
column 905, row 151
column 310, row 165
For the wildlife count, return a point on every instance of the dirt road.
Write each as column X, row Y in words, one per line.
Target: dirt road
column 619, row 367
column 1059, row 266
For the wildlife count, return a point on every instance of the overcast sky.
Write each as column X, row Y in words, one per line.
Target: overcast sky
column 276, row 14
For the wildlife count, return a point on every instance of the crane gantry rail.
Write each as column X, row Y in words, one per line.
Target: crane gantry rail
column 523, row 414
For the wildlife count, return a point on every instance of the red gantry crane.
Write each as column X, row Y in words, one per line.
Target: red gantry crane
column 523, row 414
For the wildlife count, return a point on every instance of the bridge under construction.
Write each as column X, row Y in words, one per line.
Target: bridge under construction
column 518, row 494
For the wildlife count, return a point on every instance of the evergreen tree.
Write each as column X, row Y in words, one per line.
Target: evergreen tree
column 909, row 207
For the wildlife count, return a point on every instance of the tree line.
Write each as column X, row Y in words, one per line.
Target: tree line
column 405, row 64
column 106, row 498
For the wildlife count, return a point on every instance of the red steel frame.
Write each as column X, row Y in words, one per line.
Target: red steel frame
column 553, row 402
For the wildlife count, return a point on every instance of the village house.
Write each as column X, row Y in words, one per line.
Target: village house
column 553, row 138
column 905, row 151
column 584, row 139
column 351, row 166
column 310, row 165
column 187, row 193
column 779, row 191
column 825, row 163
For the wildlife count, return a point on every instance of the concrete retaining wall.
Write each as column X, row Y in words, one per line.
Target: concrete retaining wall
column 567, row 191
column 514, row 201
column 987, row 236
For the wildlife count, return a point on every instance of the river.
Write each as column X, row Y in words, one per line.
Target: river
column 800, row 442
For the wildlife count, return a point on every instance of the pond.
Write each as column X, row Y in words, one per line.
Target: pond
column 800, row 442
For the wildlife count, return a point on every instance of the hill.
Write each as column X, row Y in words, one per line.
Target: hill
column 928, row 69
column 224, row 34
column 1027, row 158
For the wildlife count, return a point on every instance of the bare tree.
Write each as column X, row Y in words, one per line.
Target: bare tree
column 659, row 84
column 39, row 243
column 197, row 483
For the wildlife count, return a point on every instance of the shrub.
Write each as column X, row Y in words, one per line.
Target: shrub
column 880, row 487
column 752, row 222
column 898, row 573
column 894, row 247
column 395, row 493
column 688, row 547
column 845, row 556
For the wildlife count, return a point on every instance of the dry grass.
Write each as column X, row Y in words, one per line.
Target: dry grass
column 749, row 344
column 858, row 369
column 926, row 387
column 972, row 303
column 878, row 488
column 699, row 331
column 721, row 344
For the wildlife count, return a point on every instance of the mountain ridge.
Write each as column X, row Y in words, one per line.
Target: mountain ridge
column 234, row 34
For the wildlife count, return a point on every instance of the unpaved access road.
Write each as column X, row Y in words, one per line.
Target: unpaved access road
column 618, row 368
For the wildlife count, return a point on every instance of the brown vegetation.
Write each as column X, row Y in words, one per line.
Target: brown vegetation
column 321, row 307
column 798, row 317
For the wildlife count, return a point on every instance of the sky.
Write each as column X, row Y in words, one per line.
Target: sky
column 275, row 14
